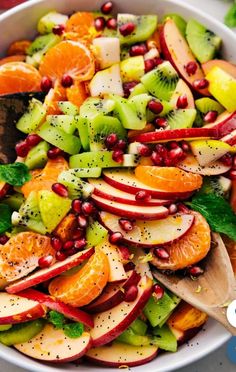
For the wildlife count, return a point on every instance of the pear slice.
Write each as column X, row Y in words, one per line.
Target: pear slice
column 107, row 81
column 207, row 151
column 107, row 50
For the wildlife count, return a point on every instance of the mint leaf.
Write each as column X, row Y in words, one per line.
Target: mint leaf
column 73, row 330
column 217, row 211
column 57, row 319
column 230, row 18
column 15, row 174
column 5, row 218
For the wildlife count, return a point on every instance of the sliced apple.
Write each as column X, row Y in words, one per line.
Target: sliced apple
column 119, row 354
column 148, row 234
column 15, row 309
column 176, row 50
column 228, row 67
column 141, row 267
column 182, row 89
column 208, row 151
column 117, row 272
column 54, row 270
column 106, row 191
column 190, row 164
column 52, row 345
column 113, row 294
column 111, row 323
column 224, row 125
column 107, row 50
column 111, row 82
column 230, row 138
column 51, row 303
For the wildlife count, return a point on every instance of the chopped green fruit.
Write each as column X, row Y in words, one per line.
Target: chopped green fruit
column 57, row 137
column 127, row 114
column 216, row 185
column 14, row 201
column 111, row 82
column 95, row 234
column 206, row 104
column 32, row 118
column 145, row 26
column 37, row 156
column 86, row 172
column 179, row 21
column 82, row 126
column 22, row 332
column 156, row 311
column 40, row 46
column 124, row 52
column 139, row 327
column 68, row 108
column 203, row 42
column 92, row 107
column 64, row 122
column 164, row 339
column 161, row 82
column 138, row 89
column 132, row 69
column 76, row 187
column 177, row 300
column 50, row 20
column 27, row 224
column 207, row 151
column 101, row 159
column 5, row 327
column 53, row 208
column 181, row 118
column 131, row 338
column 140, row 103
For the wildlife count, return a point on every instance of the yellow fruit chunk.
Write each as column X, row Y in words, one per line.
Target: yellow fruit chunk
column 207, row 151
column 186, row 317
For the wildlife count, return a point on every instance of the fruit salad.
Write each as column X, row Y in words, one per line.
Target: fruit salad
column 125, row 165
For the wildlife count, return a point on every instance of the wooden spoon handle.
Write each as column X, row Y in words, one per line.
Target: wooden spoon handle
column 219, row 314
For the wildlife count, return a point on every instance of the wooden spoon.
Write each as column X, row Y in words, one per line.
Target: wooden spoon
column 210, row 292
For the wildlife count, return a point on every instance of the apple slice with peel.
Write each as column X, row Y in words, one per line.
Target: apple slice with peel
column 46, row 274
column 207, row 151
column 106, row 191
column 131, row 211
column 230, row 138
column 182, row 89
column 52, row 345
column 224, row 124
column 15, row 309
column 176, row 50
column 190, row 164
column 113, row 294
column 70, row 312
column 111, row 323
column 119, row 354
column 149, row 234
column 228, row 67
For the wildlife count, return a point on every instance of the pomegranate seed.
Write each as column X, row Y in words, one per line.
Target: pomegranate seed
column 54, row 153
column 131, row 293
column 60, row 189
column 227, row 160
column 124, row 252
column 127, row 28
column 118, row 156
column 129, row 266
column 46, row 261
column 200, row 84
column 158, row 292
column 185, row 146
column 3, row 239
column 210, row 117
column 78, row 234
column 127, row 87
column 155, row 106
column 144, row 150
column 68, row 245
column 173, row 145
column 111, row 140
column 106, row 8
column 161, row 253
column 70, row 252
column 33, row 140
column 80, row 243
column 195, row 271
column 115, row 237
column 172, row 208
column 149, row 65
column 191, row 68
column 60, row 256
column 82, row 221
column 182, row 102
column 234, row 162
column 58, row 29
column 232, row 174
column 138, row 50
column 46, row 84
column 161, row 122
column 183, row 208
column 121, row 145
column 143, row 195
column 56, row 243
column 176, row 154
column 22, row 149
column 76, row 205
column 87, row 208
column 66, row 81
column 99, row 23
column 158, row 61
column 111, row 23
column 161, row 150
column 156, row 158
column 126, row 225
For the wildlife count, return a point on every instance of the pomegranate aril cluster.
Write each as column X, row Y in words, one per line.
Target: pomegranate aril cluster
column 22, row 148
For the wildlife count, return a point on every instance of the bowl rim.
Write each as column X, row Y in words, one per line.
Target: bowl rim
column 224, row 336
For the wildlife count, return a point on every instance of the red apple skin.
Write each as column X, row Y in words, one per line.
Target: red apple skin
column 228, row 67
column 230, row 138
column 112, row 294
column 46, row 274
column 224, row 125
column 4, row 187
column 70, row 312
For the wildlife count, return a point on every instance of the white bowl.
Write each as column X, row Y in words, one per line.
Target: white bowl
column 20, row 23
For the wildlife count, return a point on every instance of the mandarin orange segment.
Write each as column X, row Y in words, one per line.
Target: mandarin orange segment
column 56, row 94
column 20, row 255
column 81, row 288
column 189, row 249
column 44, row 179
column 19, row 47
column 186, row 317
column 19, row 77
column 15, row 58
column 81, row 24
column 168, row 178
column 68, row 58
column 77, row 94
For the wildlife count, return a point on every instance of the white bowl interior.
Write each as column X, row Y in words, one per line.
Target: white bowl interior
column 20, row 23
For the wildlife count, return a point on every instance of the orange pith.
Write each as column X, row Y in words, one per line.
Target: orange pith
column 68, row 58
column 168, row 178
column 77, row 94
column 189, row 249
column 15, row 58
column 19, row 77
column 19, row 47
column 81, row 288
column 43, row 179
column 81, row 24
column 20, row 255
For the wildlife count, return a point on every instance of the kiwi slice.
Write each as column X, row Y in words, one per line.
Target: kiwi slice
column 182, row 118
column 49, row 20
column 218, row 185
column 100, row 159
column 132, row 69
column 179, row 21
column 138, row 89
column 164, row 338
column 144, row 27
column 37, row 156
column 14, row 201
column 161, row 82
column 32, row 118
column 126, row 112
column 77, row 188
column 204, row 43
column 205, row 104
column 40, row 46
column 68, row 108
column 22, row 332
column 64, row 122
column 95, row 234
